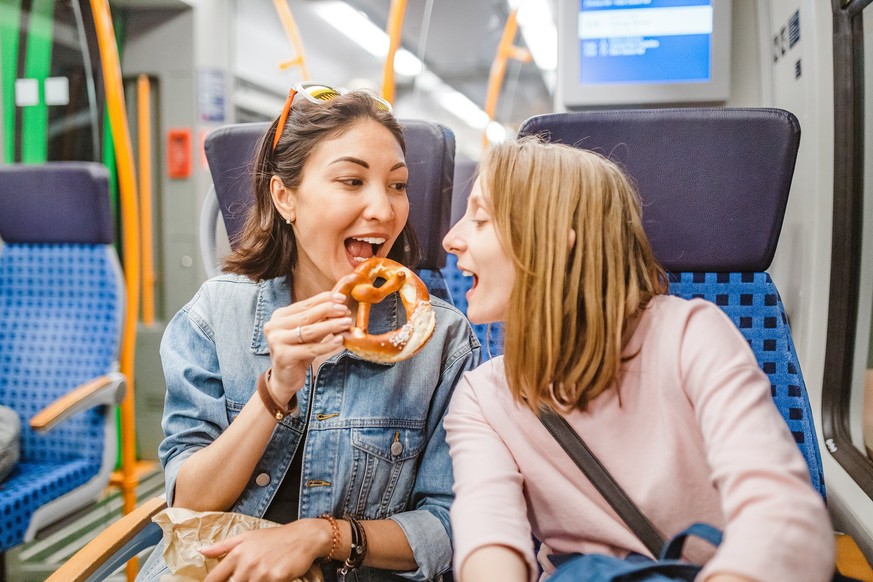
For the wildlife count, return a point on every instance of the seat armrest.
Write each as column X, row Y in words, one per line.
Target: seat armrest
column 101, row 549
column 108, row 390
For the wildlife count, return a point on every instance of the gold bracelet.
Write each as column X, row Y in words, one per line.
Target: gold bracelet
column 334, row 546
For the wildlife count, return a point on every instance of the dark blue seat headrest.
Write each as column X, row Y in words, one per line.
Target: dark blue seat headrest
column 714, row 182
column 466, row 172
column 56, row 202
column 430, row 155
column 230, row 151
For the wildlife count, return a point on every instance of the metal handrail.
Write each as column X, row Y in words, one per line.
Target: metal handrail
column 144, row 139
column 394, row 30
column 130, row 238
column 293, row 34
column 505, row 50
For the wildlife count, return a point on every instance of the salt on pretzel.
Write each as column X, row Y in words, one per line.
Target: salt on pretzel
column 398, row 344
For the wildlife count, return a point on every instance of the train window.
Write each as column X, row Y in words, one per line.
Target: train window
column 52, row 87
column 861, row 406
column 861, row 402
column 847, row 396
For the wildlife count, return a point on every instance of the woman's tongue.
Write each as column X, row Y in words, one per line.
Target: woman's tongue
column 359, row 250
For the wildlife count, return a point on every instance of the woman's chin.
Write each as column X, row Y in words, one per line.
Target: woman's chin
column 478, row 318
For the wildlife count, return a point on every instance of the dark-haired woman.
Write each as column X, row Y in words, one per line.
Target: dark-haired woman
column 361, row 456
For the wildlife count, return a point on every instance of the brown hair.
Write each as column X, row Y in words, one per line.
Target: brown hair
column 266, row 246
column 573, row 307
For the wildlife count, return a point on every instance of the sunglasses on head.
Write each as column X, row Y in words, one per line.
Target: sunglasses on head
column 319, row 93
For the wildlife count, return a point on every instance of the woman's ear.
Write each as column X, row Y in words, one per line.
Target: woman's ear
column 571, row 238
column 283, row 199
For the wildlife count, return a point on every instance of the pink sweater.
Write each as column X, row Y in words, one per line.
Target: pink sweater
column 696, row 437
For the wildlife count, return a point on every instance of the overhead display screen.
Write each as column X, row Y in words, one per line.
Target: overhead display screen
column 645, row 41
column 636, row 52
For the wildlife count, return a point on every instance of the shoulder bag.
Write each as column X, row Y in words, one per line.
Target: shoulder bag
column 636, row 567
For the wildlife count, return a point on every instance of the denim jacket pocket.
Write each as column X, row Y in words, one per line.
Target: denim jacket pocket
column 384, row 469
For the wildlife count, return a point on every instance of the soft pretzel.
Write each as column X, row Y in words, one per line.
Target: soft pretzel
column 398, row 344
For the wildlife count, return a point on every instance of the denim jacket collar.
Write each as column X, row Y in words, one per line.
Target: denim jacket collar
column 275, row 293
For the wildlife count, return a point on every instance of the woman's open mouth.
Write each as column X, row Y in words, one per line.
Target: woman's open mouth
column 361, row 248
column 475, row 277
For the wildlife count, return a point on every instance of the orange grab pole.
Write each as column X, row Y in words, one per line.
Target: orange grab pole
column 144, row 135
column 505, row 50
column 294, row 36
column 130, row 229
column 395, row 28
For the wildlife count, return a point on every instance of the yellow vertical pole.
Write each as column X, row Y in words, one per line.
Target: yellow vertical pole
column 294, row 37
column 144, row 139
column 505, row 50
column 130, row 240
column 395, row 29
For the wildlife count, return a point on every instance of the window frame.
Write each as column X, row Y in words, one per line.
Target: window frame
column 842, row 319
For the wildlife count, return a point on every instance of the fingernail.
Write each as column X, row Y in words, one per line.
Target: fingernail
column 340, row 308
column 345, row 321
column 339, row 297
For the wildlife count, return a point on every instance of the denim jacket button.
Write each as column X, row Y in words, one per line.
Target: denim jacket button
column 396, row 448
column 262, row 480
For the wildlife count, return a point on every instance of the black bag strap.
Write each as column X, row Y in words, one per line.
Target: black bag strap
column 573, row 444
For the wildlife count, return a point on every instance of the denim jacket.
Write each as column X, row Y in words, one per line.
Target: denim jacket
column 213, row 351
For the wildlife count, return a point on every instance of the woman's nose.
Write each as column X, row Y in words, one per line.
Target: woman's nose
column 452, row 242
column 379, row 207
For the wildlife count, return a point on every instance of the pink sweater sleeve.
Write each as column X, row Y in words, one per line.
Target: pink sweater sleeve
column 489, row 507
column 777, row 524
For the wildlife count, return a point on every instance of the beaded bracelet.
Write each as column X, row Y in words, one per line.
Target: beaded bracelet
column 334, row 545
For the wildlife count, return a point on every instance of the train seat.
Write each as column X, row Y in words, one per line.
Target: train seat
column 61, row 314
column 714, row 185
column 430, row 155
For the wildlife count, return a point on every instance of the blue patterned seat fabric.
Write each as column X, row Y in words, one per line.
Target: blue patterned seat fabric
column 753, row 304
column 59, row 327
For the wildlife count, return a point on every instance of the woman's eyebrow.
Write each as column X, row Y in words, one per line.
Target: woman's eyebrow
column 352, row 160
column 364, row 164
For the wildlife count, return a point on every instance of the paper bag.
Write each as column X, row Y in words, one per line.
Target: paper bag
column 186, row 532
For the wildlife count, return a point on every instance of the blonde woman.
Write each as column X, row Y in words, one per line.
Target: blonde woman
column 665, row 391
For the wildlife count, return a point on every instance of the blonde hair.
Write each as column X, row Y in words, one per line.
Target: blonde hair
column 574, row 306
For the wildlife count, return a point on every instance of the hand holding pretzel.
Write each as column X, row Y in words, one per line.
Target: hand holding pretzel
column 301, row 332
column 398, row 344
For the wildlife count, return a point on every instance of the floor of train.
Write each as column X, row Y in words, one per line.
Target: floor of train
column 36, row 560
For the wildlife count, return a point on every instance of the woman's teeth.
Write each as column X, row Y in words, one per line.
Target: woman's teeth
column 370, row 239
